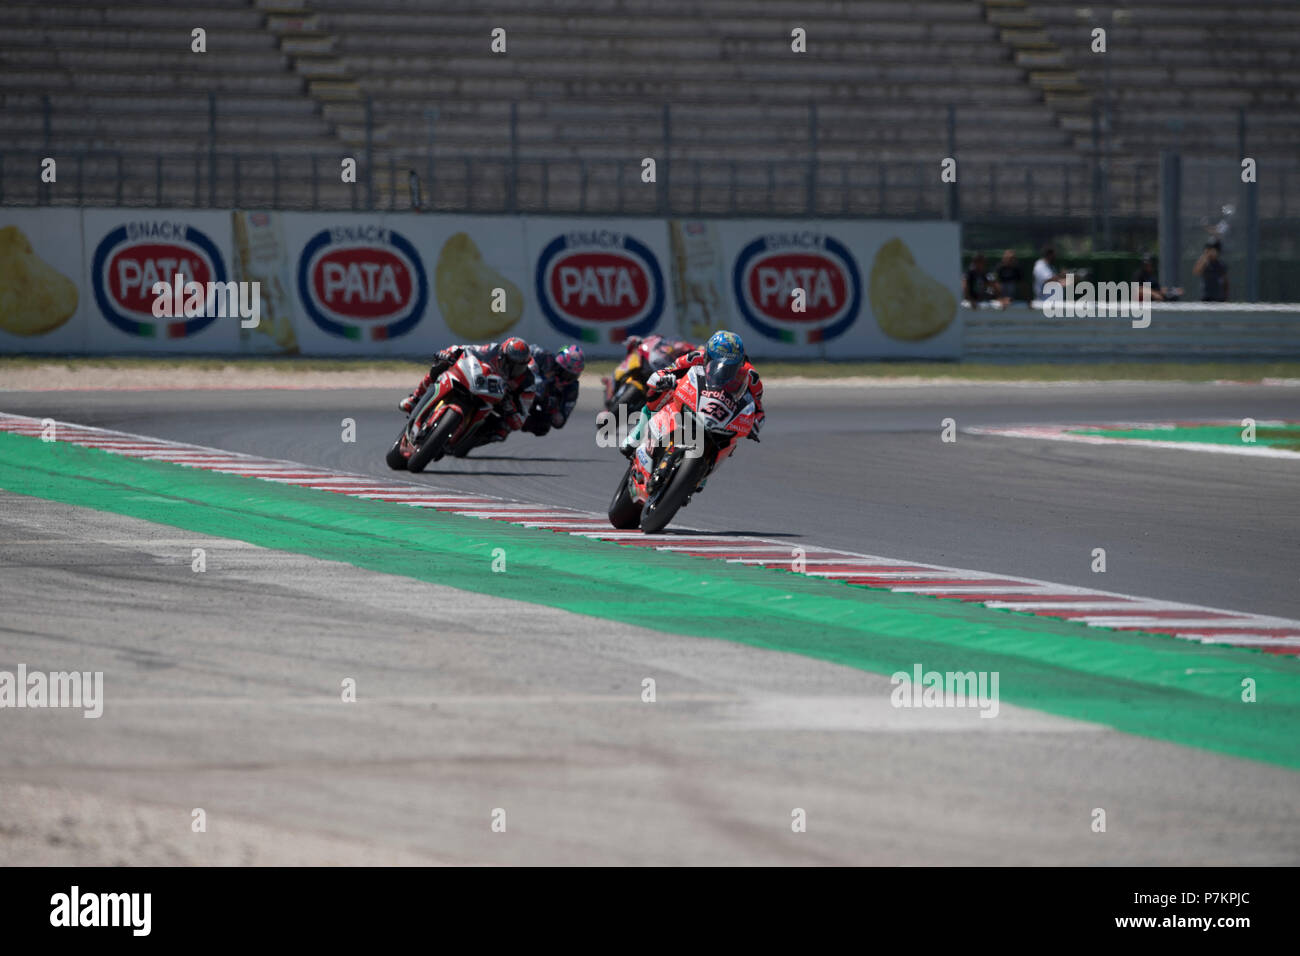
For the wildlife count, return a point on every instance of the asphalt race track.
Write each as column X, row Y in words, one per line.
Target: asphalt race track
column 482, row 703
column 862, row 469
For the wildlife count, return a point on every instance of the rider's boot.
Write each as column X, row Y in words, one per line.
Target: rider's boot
column 410, row 401
column 628, row 448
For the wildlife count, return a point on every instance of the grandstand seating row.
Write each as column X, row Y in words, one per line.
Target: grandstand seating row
column 579, row 98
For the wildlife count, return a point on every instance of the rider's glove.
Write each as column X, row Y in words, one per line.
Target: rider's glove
column 660, row 380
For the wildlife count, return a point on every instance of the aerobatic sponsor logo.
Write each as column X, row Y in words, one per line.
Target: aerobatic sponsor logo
column 131, row 258
column 771, row 268
column 599, row 285
column 362, row 282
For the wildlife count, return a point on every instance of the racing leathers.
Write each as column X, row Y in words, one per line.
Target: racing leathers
column 508, row 414
column 555, row 396
column 659, row 387
column 658, row 348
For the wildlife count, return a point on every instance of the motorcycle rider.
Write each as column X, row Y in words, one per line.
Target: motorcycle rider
column 655, row 352
column 513, row 360
column 558, row 392
column 722, row 347
column 657, row 343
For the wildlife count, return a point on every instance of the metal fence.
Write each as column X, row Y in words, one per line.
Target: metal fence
column 1061, row 194
column 1095, row 194
column 1007, row 191
column 526, row 171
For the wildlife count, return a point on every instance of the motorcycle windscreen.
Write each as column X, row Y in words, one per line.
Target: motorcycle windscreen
column 727, row 375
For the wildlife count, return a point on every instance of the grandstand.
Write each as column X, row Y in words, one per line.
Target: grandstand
column 737, row 122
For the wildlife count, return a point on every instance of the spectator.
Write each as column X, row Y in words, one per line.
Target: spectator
column 1147, row 273
column 975, row 283
column 1008, row 278
column 1213, row 272
column 1045, row 272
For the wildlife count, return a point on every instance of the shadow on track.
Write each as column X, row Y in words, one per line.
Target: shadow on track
column 493, row 474
column 528, row 458
column 670, row 532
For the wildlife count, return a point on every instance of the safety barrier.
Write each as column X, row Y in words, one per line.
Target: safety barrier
column 1177, row 330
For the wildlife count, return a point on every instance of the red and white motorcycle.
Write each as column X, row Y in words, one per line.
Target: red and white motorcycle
column 685, row 442
column 448, row 413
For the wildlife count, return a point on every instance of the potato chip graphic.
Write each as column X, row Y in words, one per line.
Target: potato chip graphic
column 262, row 257
column 34, row 297
column 908, row 304
column 464, row 284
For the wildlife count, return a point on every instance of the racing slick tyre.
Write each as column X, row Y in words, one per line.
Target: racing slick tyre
column 630, row 395
column 624, row 511
column 433, row 446
column 395, row 459
column 663, row 505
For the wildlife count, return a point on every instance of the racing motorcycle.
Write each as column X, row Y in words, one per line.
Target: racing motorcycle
column 627, row 386
column 447, row 416
column 685, row 442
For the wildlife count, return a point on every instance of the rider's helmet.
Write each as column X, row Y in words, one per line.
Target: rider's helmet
column 514, row 356
column 570, row 362
column 725, row 345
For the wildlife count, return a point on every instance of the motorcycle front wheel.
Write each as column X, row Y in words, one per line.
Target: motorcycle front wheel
column 395, row 459
column 624, row 510
column 665, row 502
column 628, row 394
column 434, row 445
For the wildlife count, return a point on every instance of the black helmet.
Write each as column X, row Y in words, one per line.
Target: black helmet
column 514, row 356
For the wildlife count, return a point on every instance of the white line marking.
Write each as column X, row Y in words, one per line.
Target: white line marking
column 516, row 514
column 1243, row 640
column 1000, row 589
column 1066, row 433
column 898, row 575
column 385, row 493
column 1133, row 605
column 1191, row 623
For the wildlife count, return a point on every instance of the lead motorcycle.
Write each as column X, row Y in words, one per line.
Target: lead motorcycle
column 448, row 414
column 685, row 442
